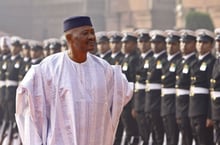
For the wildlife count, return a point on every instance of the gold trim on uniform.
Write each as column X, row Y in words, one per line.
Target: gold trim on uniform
column 146, row 64
column 185, row 69
column 17, row 64
column 163, row 77
column 213, row 81
column 172, row 67
column 159, row 65
column 203, row 66
column 125, row 67
column 4, row 66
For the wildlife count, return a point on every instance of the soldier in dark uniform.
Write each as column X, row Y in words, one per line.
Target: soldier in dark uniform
column 199, row 104
column 36, row 52
column 116, row 59
column 129, row 68
column 103, row 46
column 215, row 91
column 168, row 91
column 46, row 48
column 153, row 84
column 5, row 52
column 54, row 46
column 13, row 71
column 115, row 46
column 140, row 84
column 26, row 57
column 187, row 48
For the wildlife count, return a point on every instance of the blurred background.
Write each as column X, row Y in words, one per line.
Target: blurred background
column 41, row 19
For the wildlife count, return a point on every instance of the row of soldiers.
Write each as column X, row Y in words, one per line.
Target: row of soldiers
column 177, row 85
column 16, row 57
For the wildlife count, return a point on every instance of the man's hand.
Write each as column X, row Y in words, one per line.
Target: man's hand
column 133, row 113
column 209, row 122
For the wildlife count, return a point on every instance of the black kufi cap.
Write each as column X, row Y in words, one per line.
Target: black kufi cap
column 76, row 21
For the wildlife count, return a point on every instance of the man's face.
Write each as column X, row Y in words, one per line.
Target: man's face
column 172, row 47
column 34, row 54
column 103, row 47
column 26, row 52
column 144, row 46
column 203, row 47
column 129, row 46
column 158, row 46
column 187, row 47
column 82, row 39
column 115, row 46
column 15, row 50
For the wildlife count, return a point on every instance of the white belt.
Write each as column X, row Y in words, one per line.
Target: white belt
column 215, row 94
column 198, row 90
column 168, row 91
column 11, row 83
column 2, row 84
column 153, row 86
column 180, row 92
column 139, row 86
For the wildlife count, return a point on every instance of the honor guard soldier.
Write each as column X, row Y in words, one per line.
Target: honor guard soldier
column 13, row 76
column 26, row 56
column 36, row 52
column 46, row 48
column 116, row 59
column 199, row 104
column 153, row 84
column 115, row 46
column 55, row 46
column 5, row 51
column 168, row 91
column 140, row 84
column 183, row 81
column 215, row 91
column 129, row 68
column 103, row 46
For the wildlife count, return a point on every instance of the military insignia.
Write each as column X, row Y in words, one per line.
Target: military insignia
column 213, row 96
column 203, row 66
column 125, row 67
column 4, row 66
column 185, row 69
column 163, row 77
column 146, row 64
column 172, row 67
column 17, row 65
column 26, row 68
column 159, row 65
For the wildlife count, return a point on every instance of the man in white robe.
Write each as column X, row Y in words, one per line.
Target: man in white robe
column 72, row 97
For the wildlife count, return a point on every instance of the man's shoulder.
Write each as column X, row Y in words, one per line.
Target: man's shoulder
column 52, row 58
column 99, row 60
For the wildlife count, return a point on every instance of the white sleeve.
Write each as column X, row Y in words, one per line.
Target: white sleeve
column 122, row 94
column 30, row 109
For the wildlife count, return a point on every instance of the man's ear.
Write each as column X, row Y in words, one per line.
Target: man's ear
column 68, row 37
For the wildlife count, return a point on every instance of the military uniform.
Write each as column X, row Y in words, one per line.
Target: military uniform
column 153, row 87
column 26, row 60
column 215, row 93
column 3, row 67
column 168, row 91
column 129, row 68
column 199, row 104
column 183, row 86
column 116, row 59
column 36, row 51
column 102, row 42
column 140, row 85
